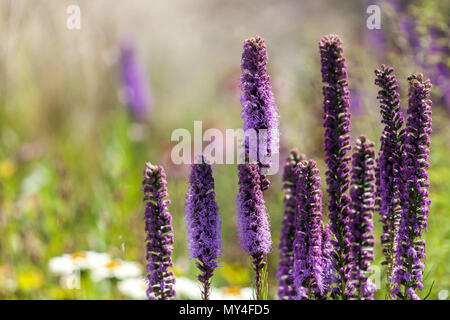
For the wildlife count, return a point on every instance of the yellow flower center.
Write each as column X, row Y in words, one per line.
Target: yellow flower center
column 78, row 255
column 113, row 264
column 232, row 290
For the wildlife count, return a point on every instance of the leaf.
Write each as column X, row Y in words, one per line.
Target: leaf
column 265, row 284
column 429, row 292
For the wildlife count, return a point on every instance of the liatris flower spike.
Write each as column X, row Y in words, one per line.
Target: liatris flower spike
column 389, row 164
column 253, row 221
column 410, row 255
column 259, row 111
column 329, row 274
column 308, row 263
column 159, row 240
column 286, row 287
column 337, row 145
column 363, row 206
column 203, row 223
column 135, row 82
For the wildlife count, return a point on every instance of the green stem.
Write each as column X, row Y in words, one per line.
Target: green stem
column 258, row 264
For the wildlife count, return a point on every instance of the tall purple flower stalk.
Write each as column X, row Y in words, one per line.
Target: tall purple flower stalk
column 259, row 111
column 389, row 164
column 414, row 197
column 362, row 193
column 308, row 263
column 159, row 240
column 253, row 221
column 285, row 275
column 135, row 82
column 337, row 145
column 203, row 223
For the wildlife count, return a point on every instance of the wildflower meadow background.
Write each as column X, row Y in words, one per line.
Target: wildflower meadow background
column 82, row 110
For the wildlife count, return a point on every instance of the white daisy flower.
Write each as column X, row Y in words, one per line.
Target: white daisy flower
column 84, row 260
column 134, row 288
column 186, row 288
column 232, row 293
column 117, row 269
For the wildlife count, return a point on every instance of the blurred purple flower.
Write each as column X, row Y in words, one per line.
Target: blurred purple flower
column 440, row 71
column 427, row 39
column 135, row 82
column 356, row 103
column 408, row 26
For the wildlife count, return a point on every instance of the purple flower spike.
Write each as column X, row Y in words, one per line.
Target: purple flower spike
column 414, row 198
column 253, row 221
column 203, row 223
column 159, row 240
column 308, row 263
column 389, row 164
column 329, row 274
column 259, row 111
column 135, row 82
column 337, row 145
column 286, row 287
column 363, row 206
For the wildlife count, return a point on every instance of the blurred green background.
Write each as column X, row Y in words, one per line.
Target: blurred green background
column 72, row 153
